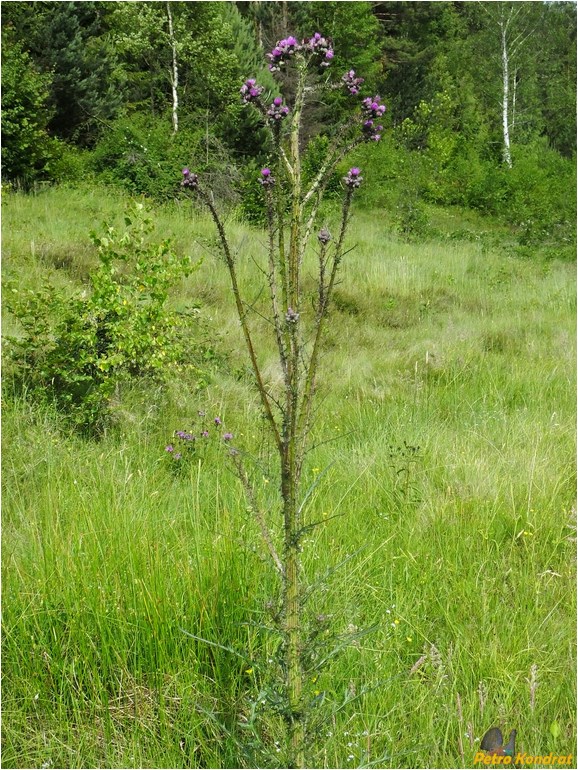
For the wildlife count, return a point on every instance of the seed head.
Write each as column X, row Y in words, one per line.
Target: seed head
column 291, row 316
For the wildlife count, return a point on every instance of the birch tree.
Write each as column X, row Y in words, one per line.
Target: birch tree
column 514, row 22
column 175, row 71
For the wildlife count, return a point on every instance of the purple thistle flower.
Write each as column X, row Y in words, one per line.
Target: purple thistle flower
column 169, row 448
column 205, row 434
column 177, row 456
column 250, row 91
column 190, row 180
column 217, row 421
column 371, row 109
column 321, row 46
column 324, row 236
column 227, row 436
column 352, row 82
column 281, row 52
column 277, row 111
column 353, row 178
column 268, row 180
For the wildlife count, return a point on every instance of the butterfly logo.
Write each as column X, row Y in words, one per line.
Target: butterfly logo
column 493, row 743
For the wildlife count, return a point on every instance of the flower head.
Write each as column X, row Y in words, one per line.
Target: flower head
column 277, row 111
column 250, row 91
column 291, row 316
column 190, row 180
column 352, row 82
column 227, row 436
column 217, row 421
column 324, row 236
column 320, row 45
column 372, row 107
column 353, row 178
column 371, row 131
column 281, row 52
column 267, row 178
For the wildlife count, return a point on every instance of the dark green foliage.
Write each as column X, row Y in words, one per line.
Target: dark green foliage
column 100, row 76
column 246, row 135
column 86, row 87
column 143, row 156
column 541, row 200
column 208, row 74
column 252, row 203
column 27, row 149
column 557, row 76
column 77, row 350
column 69, row 41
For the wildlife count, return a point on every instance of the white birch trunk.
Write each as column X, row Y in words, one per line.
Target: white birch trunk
column 175, row 72
column 505, row 92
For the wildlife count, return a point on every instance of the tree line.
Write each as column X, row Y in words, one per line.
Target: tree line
column 130, row 92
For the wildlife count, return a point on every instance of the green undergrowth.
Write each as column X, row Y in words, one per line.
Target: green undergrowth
column 441, row 478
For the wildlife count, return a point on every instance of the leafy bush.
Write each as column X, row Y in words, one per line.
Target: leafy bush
column 144, row 157
column 78, row 350
column 541, row 199
column 72, row 166
column 27, row 149
column 412, row 221
column 252, row 203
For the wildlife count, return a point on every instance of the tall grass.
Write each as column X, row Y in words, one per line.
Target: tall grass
column 442, row 477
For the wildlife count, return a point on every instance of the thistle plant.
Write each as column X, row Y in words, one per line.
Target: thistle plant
column 292, row 210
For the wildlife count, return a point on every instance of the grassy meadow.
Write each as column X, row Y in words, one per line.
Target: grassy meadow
column 443, row 452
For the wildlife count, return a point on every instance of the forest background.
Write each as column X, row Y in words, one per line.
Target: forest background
column 108, row 92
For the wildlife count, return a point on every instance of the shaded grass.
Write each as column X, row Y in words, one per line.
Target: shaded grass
column 446, row 424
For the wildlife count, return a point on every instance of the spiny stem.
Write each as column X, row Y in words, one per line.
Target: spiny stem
column 242, row 315
column 273, row 285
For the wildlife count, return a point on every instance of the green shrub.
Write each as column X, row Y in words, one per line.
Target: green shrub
column 541, row 195
column 78, row 350
column 27, row 148
column 252, row 202
column 72, row 166
column 143, row 156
